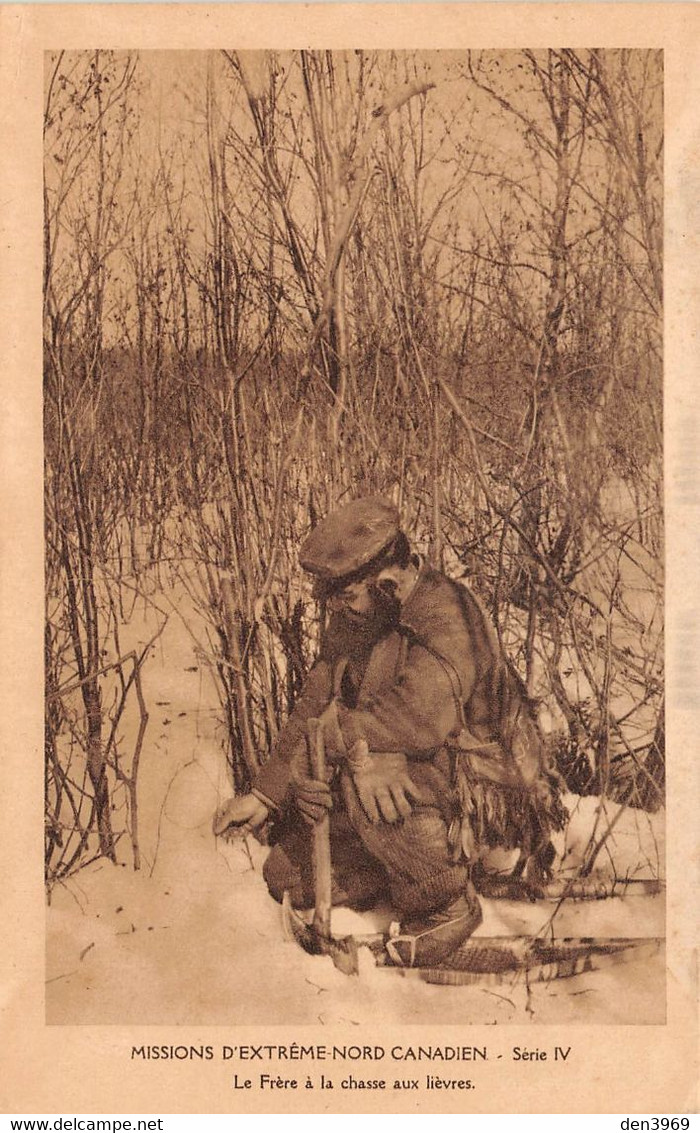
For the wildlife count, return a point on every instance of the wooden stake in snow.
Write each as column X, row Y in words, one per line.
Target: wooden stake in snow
column 321, row 836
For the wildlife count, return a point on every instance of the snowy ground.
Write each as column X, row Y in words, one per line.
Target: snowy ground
column 193, row 938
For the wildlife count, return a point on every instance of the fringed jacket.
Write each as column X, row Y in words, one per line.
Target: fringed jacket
column 435, row 680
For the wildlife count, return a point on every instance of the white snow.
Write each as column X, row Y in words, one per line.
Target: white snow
column 193, row 937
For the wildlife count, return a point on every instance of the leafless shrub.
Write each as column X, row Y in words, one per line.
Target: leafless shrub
column 435, row 276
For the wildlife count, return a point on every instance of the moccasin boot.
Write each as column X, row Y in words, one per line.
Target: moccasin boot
column 426, row 943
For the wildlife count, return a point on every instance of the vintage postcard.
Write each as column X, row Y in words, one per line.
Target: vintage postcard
column 348, row 582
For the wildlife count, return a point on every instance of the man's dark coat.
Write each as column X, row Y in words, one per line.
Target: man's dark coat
column 434, row 681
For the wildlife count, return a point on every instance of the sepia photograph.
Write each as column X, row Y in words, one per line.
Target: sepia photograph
column 348, row 582
column 354, row 537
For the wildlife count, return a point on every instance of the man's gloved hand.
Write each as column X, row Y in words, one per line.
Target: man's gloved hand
column 382, row 782
column 243, row 811
column 312, row 796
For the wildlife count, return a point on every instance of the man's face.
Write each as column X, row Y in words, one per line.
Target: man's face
column 372, row 601
column 355, row 598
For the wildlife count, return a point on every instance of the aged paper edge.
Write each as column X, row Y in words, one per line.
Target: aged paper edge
column 86, row 1069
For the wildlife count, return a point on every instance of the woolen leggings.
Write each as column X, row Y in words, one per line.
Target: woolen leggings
column 407, row 862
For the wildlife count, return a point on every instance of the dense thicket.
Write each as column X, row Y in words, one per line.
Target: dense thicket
column 275, row 280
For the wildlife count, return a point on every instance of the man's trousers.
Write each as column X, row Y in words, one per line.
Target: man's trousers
column 408, row 863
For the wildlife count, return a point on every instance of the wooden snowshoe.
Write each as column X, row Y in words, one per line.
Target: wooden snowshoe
column 496, row 960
